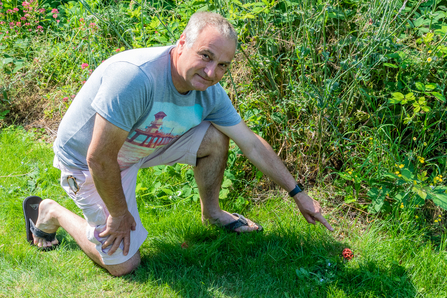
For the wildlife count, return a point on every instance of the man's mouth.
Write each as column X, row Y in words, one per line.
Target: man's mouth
column 205, row 79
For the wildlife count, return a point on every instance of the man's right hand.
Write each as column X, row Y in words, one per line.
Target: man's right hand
column 118, row 229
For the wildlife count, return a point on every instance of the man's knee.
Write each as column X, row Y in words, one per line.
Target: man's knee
column 126, row 267
column 213, row 141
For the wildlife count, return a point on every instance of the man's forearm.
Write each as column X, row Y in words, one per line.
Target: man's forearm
column 266, row 160
column 107, row 178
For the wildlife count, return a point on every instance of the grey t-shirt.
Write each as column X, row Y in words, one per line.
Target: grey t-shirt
column 134, row 91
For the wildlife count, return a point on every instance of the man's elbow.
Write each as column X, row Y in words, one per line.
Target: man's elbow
column 97, row 162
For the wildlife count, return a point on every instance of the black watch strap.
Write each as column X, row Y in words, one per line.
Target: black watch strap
column 294, row 191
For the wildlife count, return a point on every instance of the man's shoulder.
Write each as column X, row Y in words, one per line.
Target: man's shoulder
column 142, row 56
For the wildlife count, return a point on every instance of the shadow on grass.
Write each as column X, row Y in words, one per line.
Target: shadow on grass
column 213, row 263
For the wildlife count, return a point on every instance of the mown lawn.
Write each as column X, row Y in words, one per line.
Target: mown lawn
column 289, row 259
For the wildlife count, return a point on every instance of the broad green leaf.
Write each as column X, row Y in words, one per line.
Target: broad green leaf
column 430, row 87
column 410, row 96
column 441, row 31
column 420, row 86
column 137, row 189
column 223, row 193
column 373, row 192
column 420, row 192
column 227, row 183
column 407, row 174
column 167, row 191
column 393, row 100
column 422, row 101
column 390, row 65
column 7, row 60
column 398, row 95
column 439, row 96
column 426, row 109
column 440, row 200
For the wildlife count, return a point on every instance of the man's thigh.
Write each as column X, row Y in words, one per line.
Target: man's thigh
column 183, row 150
column 80, row 187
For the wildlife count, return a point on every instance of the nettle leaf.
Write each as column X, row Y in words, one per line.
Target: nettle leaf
column 373, row 192
column 420, row 86
column 440, row 199
column 377, row 197
column 420, row 192
column 407, row 174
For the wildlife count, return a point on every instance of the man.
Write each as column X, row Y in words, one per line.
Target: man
column 146, row 107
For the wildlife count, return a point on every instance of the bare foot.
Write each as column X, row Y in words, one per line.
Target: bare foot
column 223, row 218
column 46, row 222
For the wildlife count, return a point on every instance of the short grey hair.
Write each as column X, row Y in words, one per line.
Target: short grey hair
column 203, row 19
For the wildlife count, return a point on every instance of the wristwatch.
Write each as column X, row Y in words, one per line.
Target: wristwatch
column 298, row 188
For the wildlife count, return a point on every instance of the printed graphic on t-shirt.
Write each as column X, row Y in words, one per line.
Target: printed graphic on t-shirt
column 165, row 123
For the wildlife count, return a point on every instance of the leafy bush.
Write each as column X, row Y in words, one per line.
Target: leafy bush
column 350, row 93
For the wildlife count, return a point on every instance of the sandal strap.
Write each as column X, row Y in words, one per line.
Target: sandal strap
column 41, row 234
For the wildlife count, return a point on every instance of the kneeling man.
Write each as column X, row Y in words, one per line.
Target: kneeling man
column 147, row 107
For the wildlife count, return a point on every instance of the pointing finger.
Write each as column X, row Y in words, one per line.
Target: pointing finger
column 323, row 221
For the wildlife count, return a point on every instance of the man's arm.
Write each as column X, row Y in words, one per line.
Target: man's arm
column 102, row 161
column 261, row 154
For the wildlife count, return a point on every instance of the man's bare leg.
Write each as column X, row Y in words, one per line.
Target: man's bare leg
column 52, row 216
column 211, row 162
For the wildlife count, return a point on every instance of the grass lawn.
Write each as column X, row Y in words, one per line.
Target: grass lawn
column 289, row 259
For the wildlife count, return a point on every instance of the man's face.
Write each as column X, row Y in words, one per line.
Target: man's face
column 205, row 63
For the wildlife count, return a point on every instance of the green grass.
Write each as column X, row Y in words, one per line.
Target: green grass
column 289, row 259
column 327, row 83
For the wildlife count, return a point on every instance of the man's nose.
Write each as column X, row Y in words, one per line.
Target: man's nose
column 210, row 69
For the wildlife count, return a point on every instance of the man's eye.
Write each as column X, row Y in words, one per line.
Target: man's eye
column 205, row 56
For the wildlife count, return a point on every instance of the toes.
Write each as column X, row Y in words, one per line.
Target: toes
column 245, row 229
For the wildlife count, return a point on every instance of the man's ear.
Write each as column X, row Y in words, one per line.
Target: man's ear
column 181, row 43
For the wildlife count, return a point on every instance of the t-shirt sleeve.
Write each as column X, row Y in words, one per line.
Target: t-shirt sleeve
column 124, row 95
column 223, row 112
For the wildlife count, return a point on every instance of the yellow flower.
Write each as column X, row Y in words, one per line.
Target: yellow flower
column 399, row 175
column 350, row 173
column 425, row 143
column 401, row 166
column 417, row 206
column 402, row 206
column 414, row 138
column 421, row 159
column 429, row 51
column 397, row 172
column 436, row 220
column 429, row 59
column 416, row 217
column 439, row 215
column 371, row 139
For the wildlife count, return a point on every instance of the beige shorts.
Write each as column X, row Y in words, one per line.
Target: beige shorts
column 86, row 197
